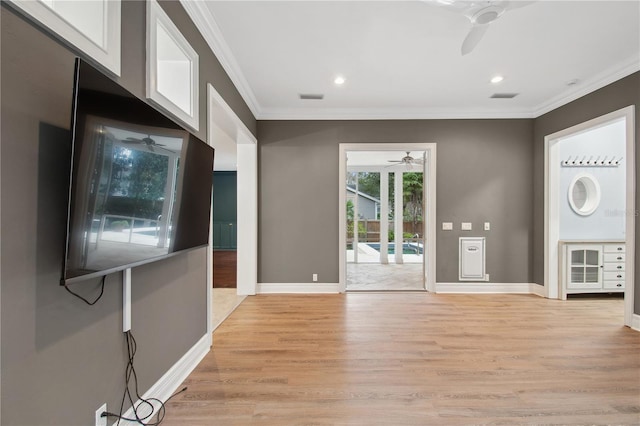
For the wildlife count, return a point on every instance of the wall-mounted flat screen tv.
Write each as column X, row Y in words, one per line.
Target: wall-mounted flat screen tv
column 140, row 187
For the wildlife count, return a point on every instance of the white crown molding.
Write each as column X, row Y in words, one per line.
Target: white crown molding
column 601, row 80
column 208, row 27
column 383, row 114
column 204, row 20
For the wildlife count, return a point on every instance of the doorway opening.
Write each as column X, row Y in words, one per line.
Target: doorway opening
column 590, row 209
column 236, row 151
column 387, row 217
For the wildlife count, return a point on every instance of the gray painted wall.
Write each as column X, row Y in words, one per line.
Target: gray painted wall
column 484, row 173
column 617, row 95
column 62, row 359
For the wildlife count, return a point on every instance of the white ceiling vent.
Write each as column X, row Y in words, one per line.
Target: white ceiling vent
column 504, row 95
column 314, row 96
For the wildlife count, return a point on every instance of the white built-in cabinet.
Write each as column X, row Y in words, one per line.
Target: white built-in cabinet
column 594, row 267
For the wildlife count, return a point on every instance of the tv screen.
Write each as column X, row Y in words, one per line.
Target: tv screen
column 140, row 183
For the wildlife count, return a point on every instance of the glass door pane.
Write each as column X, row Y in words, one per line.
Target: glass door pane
column 591, row 274
column 577, row 257
column 577, row 274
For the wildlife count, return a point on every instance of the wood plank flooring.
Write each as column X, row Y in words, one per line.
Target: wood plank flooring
column 416, row 359
column 225, row 268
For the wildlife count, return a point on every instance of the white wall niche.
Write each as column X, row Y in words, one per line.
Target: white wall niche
column 600, row 214
column 172, row 68
column 93, row 27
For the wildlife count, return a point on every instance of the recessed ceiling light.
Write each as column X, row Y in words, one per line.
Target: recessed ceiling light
column 497, row 79
column 339, row 80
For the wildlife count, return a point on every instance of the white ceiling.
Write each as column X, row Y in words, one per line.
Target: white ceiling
column 402, row 59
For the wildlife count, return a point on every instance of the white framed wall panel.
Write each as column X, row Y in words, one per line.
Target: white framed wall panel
column 93, row 27
column 173, row 80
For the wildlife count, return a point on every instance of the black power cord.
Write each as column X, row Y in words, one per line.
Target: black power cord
column 104, row 277
column 130, row 373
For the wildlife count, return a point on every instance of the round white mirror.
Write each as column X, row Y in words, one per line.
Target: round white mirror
column 584, row 194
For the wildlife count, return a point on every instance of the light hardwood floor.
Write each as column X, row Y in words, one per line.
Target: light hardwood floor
column 416, row 359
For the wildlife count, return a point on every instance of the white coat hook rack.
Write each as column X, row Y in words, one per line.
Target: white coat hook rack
column 584, row 161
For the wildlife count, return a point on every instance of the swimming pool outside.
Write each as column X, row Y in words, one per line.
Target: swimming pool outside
column 407, row 248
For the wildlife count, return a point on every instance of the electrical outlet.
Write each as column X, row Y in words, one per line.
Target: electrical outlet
column 447, row 226
column 486, row 277
column 101, row 421
column 315, row 278
column 466, row 226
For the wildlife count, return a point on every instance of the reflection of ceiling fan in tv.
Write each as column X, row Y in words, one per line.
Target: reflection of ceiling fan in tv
column 146, row 141
column 407, row 160
column 481, row 14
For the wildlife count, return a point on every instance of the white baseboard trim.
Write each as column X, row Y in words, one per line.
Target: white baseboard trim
column 537, row 289
column 169, row 382
column 635, row 322
column 490, row 288
column 302, row 288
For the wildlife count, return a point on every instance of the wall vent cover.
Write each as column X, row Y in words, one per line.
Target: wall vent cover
column 504, row 95
column 314, row 96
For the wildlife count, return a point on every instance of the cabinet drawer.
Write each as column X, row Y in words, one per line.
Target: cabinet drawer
column 613, row 267
column 614, row 248
column 614, row 257
column 614, row 284
column 610, row 275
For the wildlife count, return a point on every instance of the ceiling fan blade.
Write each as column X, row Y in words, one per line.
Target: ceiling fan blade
column 473, row 38
column 395, row 161
column 132, row 140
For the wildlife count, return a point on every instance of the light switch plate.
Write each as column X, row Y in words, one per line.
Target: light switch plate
column 447, row 226
column 466, row 226
column 487, row 226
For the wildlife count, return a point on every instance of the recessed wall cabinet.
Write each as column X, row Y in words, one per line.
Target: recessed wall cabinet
column 592, row 268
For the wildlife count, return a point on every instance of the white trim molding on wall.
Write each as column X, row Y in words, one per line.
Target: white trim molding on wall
column 490, row 288
column 298, row 288
column 222, row 116
column 552, row 199
column 104, row 49
column 429, row 194
column 166, row 70
column 451, row 288
column 169, row 382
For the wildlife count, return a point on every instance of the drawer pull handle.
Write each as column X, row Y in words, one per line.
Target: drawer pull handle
column 619, row 267
column 619, row 285
column 619, row 248
column 619, row 276
column 619, row 257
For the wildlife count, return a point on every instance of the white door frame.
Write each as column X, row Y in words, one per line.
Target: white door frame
column 429, row 195
column 552, row 201
column 247, row 204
